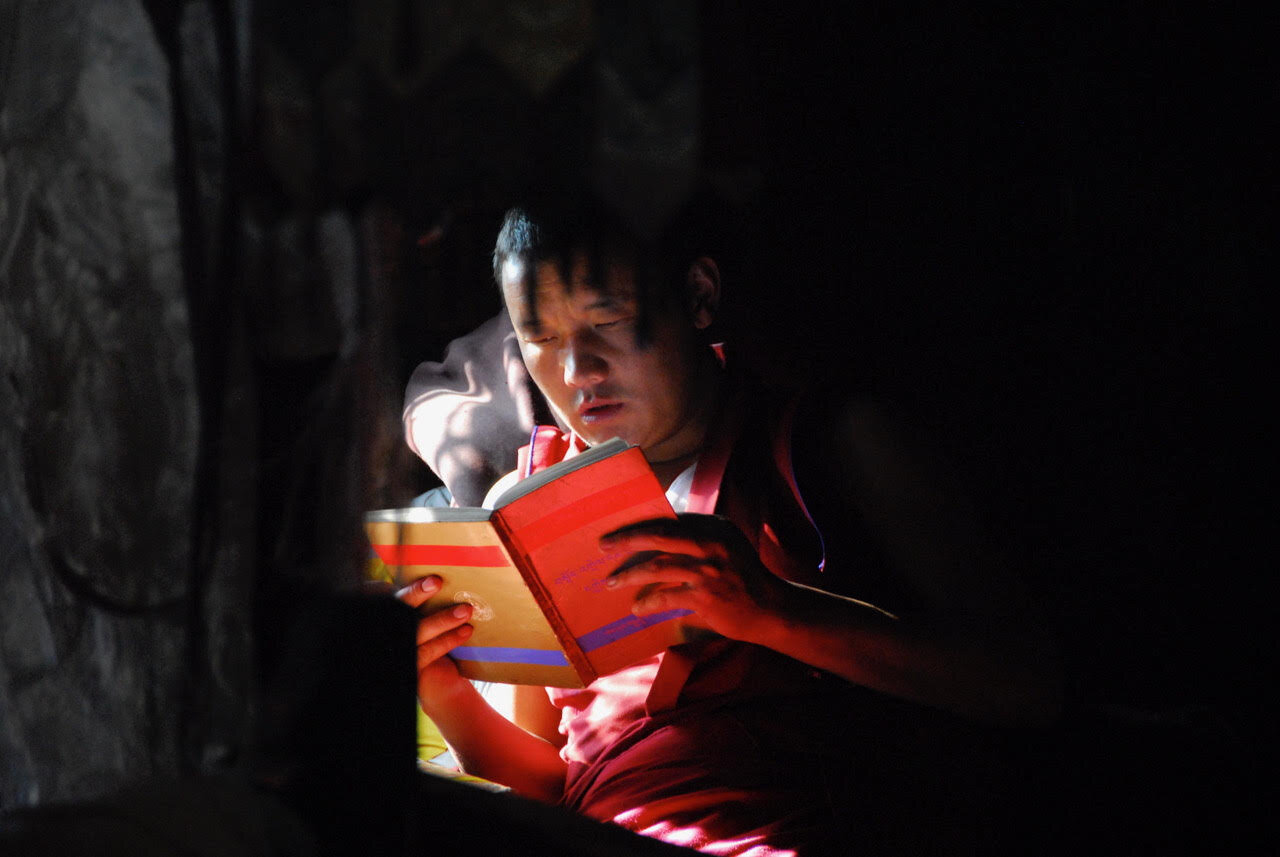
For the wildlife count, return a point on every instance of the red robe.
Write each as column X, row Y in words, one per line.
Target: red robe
column 716, row 744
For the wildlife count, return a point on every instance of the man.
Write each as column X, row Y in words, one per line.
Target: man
column 745, row 740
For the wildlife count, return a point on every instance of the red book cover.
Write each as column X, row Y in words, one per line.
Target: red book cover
column 533, row 570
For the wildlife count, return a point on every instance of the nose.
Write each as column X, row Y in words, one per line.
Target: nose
column 584, row 365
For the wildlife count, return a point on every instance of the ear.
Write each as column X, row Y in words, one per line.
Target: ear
column 703, row 282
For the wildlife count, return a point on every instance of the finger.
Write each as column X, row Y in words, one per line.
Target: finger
column 653, row 526
column 662, row 600
column 661, row 543
column 687, row 525
column 420, row 591
column 442, row 621
column 437, row 647
column 660, row 558
column 658, row 570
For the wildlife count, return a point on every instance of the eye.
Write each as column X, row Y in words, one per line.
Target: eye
column 614, row 323
column 538, row 339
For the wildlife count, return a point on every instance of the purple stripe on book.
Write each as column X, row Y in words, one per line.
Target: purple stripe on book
column 624, row 627
column 504, row 655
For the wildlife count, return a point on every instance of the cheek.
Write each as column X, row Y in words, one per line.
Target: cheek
column 536, row 360
column 544, row 369
column 663, row 378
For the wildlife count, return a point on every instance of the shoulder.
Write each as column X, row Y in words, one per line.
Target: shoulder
column 842, row 434
column 824, row 433
column 867, row 461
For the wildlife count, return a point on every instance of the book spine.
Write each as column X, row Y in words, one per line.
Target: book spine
column 576, row 656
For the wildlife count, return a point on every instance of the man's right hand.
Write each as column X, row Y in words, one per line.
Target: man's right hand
column 482, row 740
column 439, row 632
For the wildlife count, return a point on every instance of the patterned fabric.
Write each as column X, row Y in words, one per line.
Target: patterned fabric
column 464, row 416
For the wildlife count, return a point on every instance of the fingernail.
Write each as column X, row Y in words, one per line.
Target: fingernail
column 461, row 611
column 610, row 582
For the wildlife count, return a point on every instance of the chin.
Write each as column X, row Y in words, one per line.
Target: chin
column 594, row 434
column 599, row 434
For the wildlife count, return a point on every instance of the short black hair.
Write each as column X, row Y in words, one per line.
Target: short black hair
column 556, row 225
column 542, row 230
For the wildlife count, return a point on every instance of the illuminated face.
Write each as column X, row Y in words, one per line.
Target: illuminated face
column 583, row 354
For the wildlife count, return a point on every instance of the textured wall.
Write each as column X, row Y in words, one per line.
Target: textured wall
column 98, row 410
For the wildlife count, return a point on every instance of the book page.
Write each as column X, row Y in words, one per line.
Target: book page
column 542, row 477
column 426, row 514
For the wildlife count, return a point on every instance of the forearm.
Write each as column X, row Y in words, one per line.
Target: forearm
column 969, row 668
column 487, row 744
column 964, row 661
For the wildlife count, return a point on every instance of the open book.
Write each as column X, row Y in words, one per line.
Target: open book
column 533, row 571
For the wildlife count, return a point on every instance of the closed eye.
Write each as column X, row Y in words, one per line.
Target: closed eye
column 617, row 322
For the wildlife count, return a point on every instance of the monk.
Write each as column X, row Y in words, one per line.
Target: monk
column 839, row 590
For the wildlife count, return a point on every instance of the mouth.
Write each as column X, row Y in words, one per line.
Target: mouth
column 598, row 411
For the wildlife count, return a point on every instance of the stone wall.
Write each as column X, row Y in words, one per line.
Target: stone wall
column 227, row 233
column 99, row 414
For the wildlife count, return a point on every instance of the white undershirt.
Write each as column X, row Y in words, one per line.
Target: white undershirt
column 678, row 492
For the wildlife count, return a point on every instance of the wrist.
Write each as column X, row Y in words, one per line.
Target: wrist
column 778, row 626
column 447, row 700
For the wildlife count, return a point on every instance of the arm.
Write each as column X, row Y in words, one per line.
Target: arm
column 942, row 661
column 534, row 713
column 974, row 650
column 483, row 742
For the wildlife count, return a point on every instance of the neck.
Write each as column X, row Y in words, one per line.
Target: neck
column 670, row 462
column 668, row 470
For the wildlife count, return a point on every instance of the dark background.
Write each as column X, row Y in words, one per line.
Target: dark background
column 1042, row 233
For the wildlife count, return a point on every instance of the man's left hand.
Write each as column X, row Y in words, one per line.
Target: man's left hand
column 701, row 563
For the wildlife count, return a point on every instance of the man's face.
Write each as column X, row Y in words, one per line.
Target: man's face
column 583, row 354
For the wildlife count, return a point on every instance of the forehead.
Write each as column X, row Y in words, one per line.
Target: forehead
column 554, row 283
